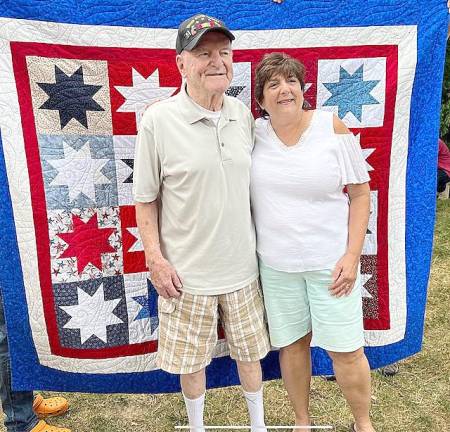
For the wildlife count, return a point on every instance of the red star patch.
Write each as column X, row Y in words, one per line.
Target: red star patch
column 87, row 242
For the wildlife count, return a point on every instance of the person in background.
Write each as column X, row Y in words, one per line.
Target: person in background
column 22, row 409
column 443, row 171
column 389, row 370
column 310, row 201
column 448, row 5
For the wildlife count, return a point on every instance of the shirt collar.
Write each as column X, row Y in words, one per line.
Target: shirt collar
column 193, row 114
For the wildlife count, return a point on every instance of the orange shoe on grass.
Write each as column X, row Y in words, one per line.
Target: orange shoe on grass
column 42, row 426
column 49, row 407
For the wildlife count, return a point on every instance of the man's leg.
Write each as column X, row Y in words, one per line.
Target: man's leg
column 242, row 314
column 186, row 344
column 193, row 386
column 250, row 376
column 18, row 406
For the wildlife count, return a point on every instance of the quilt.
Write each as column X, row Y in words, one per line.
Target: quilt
column 75, row 79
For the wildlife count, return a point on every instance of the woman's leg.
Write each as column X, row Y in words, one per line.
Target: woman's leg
column 288, row 315
column 295, row 363
column 353, row 376
column 337, row 324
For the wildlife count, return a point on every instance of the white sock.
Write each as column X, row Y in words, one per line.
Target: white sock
column 194, row 408
column 256, row 410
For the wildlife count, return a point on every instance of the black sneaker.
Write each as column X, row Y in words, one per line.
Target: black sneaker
column 389, row 370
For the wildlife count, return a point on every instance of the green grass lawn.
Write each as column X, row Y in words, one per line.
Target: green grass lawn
column 415, row 400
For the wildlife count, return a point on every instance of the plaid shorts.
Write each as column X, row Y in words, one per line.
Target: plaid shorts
column 188, row 328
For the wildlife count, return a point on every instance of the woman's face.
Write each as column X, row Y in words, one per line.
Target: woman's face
column 282, row 95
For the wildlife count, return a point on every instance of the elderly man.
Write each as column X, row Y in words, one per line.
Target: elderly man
column 191, row 188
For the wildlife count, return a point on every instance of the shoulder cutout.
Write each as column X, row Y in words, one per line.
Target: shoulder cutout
column 339, row 126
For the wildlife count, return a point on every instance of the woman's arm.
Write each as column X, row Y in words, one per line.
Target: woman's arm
column 345, row 271
column 359, row 195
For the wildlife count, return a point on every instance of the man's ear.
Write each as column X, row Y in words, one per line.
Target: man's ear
column 180, row 64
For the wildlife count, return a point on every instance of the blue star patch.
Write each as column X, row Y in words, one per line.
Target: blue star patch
column 70, row 96
column 351, row 92
column 149, row 307
column 145, row 310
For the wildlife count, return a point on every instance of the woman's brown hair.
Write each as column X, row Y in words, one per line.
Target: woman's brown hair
column 277, row 63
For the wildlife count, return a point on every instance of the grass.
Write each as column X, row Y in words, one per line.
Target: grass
column 417, row 399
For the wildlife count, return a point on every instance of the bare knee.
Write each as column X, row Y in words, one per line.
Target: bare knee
column 193, row 384
column 347, row 358
column 249, row 366
column 298, row 346
column 250, row 375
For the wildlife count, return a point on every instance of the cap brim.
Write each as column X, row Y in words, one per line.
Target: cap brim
column 194, row 42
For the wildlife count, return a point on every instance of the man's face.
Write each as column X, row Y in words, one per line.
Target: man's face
column 208, row 68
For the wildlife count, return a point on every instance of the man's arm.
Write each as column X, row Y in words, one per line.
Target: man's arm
column 162, row 274
column 147, row 180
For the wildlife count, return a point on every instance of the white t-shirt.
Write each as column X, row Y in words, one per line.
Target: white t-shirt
column 299, row 206
column 214, row 116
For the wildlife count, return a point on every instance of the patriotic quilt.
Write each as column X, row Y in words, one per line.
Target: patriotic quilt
column 81, row 312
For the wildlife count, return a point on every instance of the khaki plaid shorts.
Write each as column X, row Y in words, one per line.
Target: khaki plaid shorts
column 188, row 328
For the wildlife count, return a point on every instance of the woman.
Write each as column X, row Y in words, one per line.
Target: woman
column 310, row 235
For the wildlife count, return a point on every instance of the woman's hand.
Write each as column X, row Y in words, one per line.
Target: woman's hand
column 344, row 275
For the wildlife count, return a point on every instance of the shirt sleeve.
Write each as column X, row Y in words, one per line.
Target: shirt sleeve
column 147, row 172
column 351, row 160
column 252, row 129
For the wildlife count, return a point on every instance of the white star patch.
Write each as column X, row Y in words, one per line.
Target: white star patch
column 366, row 153
column 370, row 243
column 137, row 245
column 92, row 314
column 79, row 171
column 364, row 279
column 143, row 93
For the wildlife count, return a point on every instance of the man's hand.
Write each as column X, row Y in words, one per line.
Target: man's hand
column 448, row 5
column 162, row 274
column 344, row 275
column 164, row 278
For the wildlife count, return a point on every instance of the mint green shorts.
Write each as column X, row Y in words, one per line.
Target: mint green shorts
column 298, row 303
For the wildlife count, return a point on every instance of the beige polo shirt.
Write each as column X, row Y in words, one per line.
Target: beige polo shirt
column 200, row 175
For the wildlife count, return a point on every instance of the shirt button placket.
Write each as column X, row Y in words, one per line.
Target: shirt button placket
column 222, row 147
column 220, row 143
